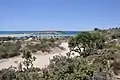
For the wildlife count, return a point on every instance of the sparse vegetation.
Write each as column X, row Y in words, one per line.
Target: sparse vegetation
column 44, row 45
column 99, row 59
column 13, row 48
column 9, row 49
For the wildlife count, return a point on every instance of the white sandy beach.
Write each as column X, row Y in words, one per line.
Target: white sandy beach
column 41, row 60
column 13, row 35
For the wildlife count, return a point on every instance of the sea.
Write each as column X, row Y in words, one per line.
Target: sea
column 31, row 33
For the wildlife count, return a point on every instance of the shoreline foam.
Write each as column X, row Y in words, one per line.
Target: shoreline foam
column 13, row 35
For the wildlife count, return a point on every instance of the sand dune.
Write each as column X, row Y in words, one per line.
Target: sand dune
column 41, row 60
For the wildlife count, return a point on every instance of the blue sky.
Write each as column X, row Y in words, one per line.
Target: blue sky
column 58, row 14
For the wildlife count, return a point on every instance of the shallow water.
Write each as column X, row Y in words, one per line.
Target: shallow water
column 33, row 33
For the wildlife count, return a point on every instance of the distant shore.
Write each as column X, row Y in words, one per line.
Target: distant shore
column 43, row 34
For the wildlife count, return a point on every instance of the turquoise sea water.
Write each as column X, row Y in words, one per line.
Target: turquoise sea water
column 31, row 33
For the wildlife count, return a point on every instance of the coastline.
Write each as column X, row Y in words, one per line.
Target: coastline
column 36, row 33
column 13, row 35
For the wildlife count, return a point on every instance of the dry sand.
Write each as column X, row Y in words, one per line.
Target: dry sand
column 41, row 60
column 13, row 35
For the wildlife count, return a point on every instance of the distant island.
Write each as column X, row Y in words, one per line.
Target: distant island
column 49, row 32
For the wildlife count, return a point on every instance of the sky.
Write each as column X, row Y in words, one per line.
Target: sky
column 78, row 15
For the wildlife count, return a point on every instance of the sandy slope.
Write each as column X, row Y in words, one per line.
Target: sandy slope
column 41, row 60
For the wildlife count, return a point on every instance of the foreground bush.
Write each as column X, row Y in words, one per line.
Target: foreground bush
column 9, row 49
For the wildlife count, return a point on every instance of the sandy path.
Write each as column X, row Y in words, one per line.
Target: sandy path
column 41, row 60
